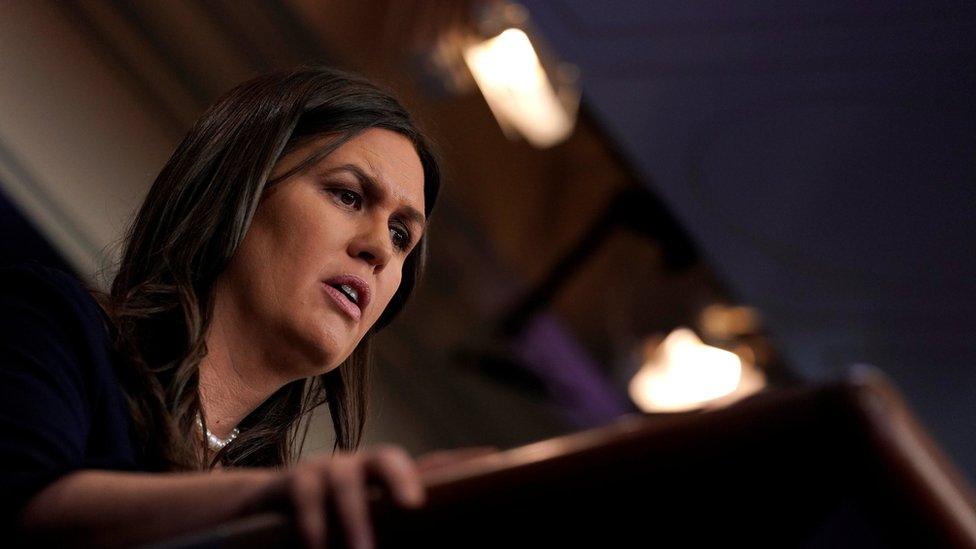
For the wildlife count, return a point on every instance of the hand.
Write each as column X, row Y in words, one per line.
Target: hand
column 341, row 478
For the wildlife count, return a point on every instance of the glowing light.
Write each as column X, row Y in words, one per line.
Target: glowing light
column 684, row 374
column 520, row 95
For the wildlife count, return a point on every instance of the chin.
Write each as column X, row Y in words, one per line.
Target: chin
column 336, row 360
column 311, row 353
column 313, row 368
column 326, row 360
column 327, row 369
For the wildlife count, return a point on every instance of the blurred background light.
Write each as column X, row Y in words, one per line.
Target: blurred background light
column 683, row 373
column 519, row 91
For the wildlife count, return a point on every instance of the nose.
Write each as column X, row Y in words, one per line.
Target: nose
column 372, row 244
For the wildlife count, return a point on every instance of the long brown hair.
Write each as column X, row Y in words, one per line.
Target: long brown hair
column 189, row 226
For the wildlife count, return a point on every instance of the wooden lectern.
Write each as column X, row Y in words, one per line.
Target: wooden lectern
column 837, row 465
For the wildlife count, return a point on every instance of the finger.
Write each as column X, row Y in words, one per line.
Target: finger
column 348, row 487
column 307, row 489
column 399, row 472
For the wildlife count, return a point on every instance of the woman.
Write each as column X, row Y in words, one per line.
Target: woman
column 286, row 229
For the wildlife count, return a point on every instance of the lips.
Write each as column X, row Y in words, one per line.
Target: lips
column 350, row 293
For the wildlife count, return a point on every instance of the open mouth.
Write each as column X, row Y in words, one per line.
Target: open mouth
column 350, row 293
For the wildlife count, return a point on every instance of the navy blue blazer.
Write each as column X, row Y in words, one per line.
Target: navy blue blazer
column 61, row 406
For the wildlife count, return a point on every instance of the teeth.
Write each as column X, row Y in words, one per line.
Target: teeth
column 351, row 292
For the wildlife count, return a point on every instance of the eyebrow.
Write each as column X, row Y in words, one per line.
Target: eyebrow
column 372, row 187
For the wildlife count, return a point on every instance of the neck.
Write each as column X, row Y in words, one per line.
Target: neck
column 234, row 379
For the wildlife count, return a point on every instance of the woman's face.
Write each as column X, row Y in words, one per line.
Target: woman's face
column 325, row 251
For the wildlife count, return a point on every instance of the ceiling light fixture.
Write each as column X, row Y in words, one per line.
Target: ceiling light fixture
column 525, row 98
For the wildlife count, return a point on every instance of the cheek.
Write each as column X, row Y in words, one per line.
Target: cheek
column 280, row 260
column 302, row 243
column 245, row 275
column 388, row 290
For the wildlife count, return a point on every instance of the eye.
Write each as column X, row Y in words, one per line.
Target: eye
column 348, row 198
column 400, row 237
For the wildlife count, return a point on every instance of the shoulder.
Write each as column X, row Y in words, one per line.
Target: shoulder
column 43, row 289
column 50, row 322
column 61, row 408
column 31, row 276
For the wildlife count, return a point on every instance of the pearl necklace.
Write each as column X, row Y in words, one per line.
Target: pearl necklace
column 213, row 441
